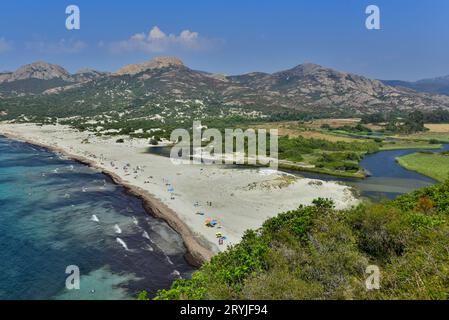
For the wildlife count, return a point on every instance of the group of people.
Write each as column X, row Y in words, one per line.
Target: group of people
column 169, row 188
column 211, row 223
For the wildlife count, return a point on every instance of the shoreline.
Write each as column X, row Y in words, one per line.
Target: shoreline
column 188, row 197
column 196, row 253
column 420, row 168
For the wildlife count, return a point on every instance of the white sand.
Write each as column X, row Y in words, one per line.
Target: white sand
column 241, row 199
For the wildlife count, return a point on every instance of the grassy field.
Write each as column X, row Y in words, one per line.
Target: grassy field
column 434, row 165
column 294, row 130
column 441, row 127
column 426, row 136
column 401, row 145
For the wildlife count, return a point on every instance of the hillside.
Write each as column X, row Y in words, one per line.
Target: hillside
column 311, row 87
column 439, row 85
column 319, row 253
column 165, row 84
column 37, row 77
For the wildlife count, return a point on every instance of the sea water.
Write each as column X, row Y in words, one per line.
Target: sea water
column 55, row 213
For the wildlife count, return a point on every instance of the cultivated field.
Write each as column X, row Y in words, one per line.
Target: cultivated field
column 439, row 128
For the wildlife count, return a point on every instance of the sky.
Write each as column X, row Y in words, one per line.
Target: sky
column 230, row 36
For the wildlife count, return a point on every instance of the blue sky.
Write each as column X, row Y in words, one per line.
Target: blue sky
column 230, row 36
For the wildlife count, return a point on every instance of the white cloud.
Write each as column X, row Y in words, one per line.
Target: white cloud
column 158, row 41
column 62, row 46
column 5, row 45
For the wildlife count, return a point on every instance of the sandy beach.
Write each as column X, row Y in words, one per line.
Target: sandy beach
column 187, row 195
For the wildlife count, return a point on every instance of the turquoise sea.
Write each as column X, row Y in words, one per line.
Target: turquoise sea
column 55, row 212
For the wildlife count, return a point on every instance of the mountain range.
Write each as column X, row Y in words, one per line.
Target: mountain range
column 39, row 76
column 52, row 90
column 439, row 85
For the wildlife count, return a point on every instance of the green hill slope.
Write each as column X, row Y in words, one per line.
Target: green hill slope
column 319, row 253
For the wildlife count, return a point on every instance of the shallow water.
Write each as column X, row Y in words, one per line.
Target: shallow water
column 55, row 212
column 388, row 179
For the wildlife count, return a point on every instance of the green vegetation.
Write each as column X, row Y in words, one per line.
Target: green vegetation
column 331, row 172
column 414, row 122
column 398, row 123
column 375, row 118
column 317, row 252
column 437, row 116
column 434, row 116
column 425, row 137
column 409, row 144
column 392, row 125
column 434, row 165
column 124, row 108
column 325, row 156
column 357, row 129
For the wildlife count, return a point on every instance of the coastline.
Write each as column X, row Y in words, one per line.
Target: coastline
column 196, row 254
column 238, row 199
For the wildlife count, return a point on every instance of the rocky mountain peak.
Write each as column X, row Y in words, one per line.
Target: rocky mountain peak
column 308, row 69
column 40, row 70
column 306, row 87
column 156, row 63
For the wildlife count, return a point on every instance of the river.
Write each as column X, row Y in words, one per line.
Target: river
column 388, row 179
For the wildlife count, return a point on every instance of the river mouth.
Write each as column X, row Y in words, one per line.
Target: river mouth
column 387, row 181
column 56, row 212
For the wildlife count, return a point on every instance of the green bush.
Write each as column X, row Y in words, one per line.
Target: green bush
column 317, row 252
column 434, row 141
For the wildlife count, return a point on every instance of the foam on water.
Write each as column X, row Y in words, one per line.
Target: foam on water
column 122, row 243
column 42, row 231
column 148, row 247
column 146, row 235
column 117, row 229
column 169, row 260
column 176, row 274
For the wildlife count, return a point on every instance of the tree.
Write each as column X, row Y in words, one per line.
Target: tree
column 414, row 122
